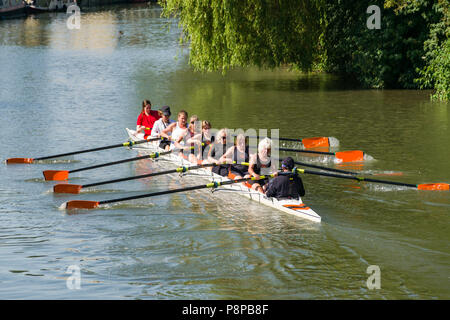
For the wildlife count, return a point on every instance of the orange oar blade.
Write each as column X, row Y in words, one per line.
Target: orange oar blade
column 56, row 175
column 350, row 156
column 67, row 188
column 19, row 160
column 81, row 204
column 315, row 142
column 434, row 186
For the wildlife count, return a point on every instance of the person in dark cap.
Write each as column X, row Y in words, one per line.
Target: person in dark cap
column 161, row 124
column 285, row 185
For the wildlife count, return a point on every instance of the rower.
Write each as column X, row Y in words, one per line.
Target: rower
column 204, row 139
column 162, row 124
column 236, row 155
column 216, row 151
column 177, row 130
column 285, row 185
column 146, row 119
column 191, row 140
column 261, row 164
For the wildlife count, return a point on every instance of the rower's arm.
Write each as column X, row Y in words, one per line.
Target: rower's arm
column 169, row 128
column 197, row 139
column 156, row 131
column 177, row 142
column 210, row 154
column 227, row 156
column 273, row 169
column 252, row 162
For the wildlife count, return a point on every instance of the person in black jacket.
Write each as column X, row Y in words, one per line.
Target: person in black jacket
column 286, row 186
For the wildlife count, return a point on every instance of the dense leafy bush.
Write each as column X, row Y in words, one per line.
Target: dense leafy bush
column 410, row 50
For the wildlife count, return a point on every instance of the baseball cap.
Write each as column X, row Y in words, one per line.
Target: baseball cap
column 165, row 110
column 287, row 163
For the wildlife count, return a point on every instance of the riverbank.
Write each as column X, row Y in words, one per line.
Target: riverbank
column 92, row 3
column 15, row 9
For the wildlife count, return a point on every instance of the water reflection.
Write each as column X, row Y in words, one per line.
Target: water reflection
column 101, row 30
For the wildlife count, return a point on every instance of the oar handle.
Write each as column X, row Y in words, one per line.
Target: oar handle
column 125, row 144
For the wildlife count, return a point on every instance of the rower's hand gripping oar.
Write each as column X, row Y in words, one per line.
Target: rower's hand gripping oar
column 125, row 144
column 85, row 204
column 425, row 186
column 344, row 156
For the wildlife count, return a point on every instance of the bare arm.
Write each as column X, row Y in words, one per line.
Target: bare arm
column 252, row 162
column 227, row 156
column 169, row 128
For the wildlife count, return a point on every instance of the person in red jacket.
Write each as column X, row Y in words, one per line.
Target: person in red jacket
column 146, row 119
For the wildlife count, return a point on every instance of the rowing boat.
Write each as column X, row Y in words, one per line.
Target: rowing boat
column 295, row 207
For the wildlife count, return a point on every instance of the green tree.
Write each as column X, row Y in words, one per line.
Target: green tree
column 389, row 57
column 410, row 50
column 223, row 34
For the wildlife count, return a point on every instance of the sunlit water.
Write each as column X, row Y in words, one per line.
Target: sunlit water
column 65, row 90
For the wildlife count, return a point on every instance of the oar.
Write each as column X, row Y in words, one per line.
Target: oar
column 426, row 186
column 84, row 204
column 307, row 142
column 125, row 144
column 76, row 188
column 310, row 142
column 325, row 168
column 344, row 156
column 59, row 175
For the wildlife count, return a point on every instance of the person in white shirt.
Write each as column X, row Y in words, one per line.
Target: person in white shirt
column 162, row 124
column 177, row 131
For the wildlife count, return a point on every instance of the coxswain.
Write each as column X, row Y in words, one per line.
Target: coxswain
column 286, row 185
column 146, row 119
column 162, row 124
column 261, row 164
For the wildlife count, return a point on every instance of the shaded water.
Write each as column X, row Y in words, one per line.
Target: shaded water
column 67, row 90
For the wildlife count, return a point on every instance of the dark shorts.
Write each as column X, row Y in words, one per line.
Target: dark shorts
column 238, row 172
column 164, row 143
column 260, row 182
column 220, row 170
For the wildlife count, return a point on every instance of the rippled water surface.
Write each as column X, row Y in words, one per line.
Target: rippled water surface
column 65, row 90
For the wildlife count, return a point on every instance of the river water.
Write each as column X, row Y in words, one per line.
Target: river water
column 63, row 90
